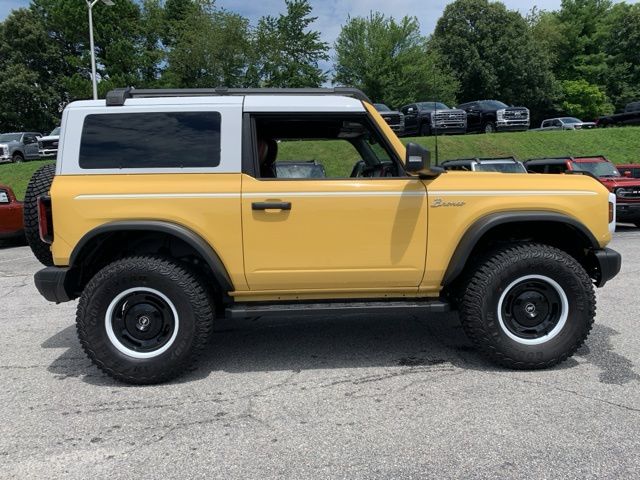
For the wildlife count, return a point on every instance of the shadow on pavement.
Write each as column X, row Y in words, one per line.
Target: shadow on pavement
column 350, row 341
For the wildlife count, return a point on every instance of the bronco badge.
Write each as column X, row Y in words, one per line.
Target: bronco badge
column 438, row 202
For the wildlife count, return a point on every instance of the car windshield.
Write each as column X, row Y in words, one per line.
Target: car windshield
column 431, row 106
column 10, row 137
column 54, row 132
column 599, row 169
column 501, row 167
column 381, row 107
column 494, row 104
column 571, row 120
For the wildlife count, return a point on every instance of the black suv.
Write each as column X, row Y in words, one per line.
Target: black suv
column 491, row 116
column 426, row 118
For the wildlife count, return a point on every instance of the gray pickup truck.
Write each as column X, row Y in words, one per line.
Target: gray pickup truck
column 19, row 146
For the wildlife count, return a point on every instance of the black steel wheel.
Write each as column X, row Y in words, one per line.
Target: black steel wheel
column 145, row 319
column 527, row 306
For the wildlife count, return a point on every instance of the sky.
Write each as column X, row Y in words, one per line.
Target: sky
column 332, row 14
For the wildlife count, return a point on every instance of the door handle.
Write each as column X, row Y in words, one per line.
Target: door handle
column 271, row 206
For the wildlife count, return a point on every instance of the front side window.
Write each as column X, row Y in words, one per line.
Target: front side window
column 151, row 140
column 332, row 147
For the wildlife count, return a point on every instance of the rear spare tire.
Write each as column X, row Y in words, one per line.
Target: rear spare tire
column 38, row 185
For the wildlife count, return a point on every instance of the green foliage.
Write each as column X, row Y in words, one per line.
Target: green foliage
column 391, row 61
column 17, row 175
column 287, row 52
column 210, row 48
column 494, row 54
column 584, row 100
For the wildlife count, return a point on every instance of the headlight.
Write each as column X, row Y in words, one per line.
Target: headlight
column 4, row 149
column 500, row 114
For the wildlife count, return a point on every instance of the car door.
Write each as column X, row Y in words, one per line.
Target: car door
column 410, row 118
column 338, row 233
column 30, row 143
column 474, row 116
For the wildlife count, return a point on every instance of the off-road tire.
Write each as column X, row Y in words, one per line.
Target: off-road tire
column 425, row 130
column 193, row 304
column 39, row 184
column 17, row 158
column 479, row 313
column 489, row 128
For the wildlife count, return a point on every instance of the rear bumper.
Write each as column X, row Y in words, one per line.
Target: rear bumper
column 607, row 263
column 55, row 283
column 628, row 212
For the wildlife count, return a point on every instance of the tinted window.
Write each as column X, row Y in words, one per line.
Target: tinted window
column 151, row 140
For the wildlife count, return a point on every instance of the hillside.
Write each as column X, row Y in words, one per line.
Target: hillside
column 621, row 145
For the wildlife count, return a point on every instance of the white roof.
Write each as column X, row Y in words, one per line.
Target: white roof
column 252, row 103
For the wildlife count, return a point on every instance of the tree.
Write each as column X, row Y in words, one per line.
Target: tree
column 494, row 54
column 391, row 62
column 29, row 87
column 288, row 54
column 212, row 48
column 584, row 100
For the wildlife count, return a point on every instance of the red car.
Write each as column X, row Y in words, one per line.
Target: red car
column 11, row 222
column 626, row 189
column 631, row 170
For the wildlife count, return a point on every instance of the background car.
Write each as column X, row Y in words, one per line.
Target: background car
column 565, row 123
column 19, row 146
column 48, row 146
column 11, row 214
column 629, row 170
column 630, row 116
column 427, row 118
column 502, row 165
column 491, row 116
column 394, row 118
column 627, row 190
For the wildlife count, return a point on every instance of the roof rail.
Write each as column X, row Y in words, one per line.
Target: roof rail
column 117, row 97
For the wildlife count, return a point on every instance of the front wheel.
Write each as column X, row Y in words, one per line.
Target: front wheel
column 144, row 320
column 490, row 127
column 17, row 158
column 425, row 130
column 528, row 306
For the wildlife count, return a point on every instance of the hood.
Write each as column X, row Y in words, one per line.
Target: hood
column 620, row 181
column 450, row 110
column 393, row 112
column 52, row 137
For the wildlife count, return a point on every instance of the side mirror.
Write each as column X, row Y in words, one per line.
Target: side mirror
column 418, row 162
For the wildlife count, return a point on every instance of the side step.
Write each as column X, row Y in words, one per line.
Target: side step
column 309, row 309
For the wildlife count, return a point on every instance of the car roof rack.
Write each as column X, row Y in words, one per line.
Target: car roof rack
column 117, row 97
column 549, row 160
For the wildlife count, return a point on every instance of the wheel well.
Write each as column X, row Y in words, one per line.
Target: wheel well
column 558, row 234
column 106, row 247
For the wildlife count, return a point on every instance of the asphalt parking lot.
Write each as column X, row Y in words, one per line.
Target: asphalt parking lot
column 351, row 397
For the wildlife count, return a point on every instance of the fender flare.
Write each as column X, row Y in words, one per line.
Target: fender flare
column 183, row 233
column 484, row 224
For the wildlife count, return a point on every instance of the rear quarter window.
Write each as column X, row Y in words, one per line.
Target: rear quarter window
column 150, row 140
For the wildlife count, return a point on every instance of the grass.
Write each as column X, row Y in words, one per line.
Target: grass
column 17, row 175
column 620, row 145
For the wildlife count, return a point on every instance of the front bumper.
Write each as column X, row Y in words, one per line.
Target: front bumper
column 449, row 129
column 48, row 152
column 512, row 126
column 56, row 284
column 628, row 212
column 606, row 263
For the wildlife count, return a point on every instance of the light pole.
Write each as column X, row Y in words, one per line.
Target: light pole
column 90, row 4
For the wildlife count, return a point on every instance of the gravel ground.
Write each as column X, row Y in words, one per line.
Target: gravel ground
column 350, row 397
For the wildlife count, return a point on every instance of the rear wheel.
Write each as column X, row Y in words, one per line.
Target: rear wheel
column 528, row 306
column 39, row 184
column 144, row 320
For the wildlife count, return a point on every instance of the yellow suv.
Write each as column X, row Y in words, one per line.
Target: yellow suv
column 168, row 208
